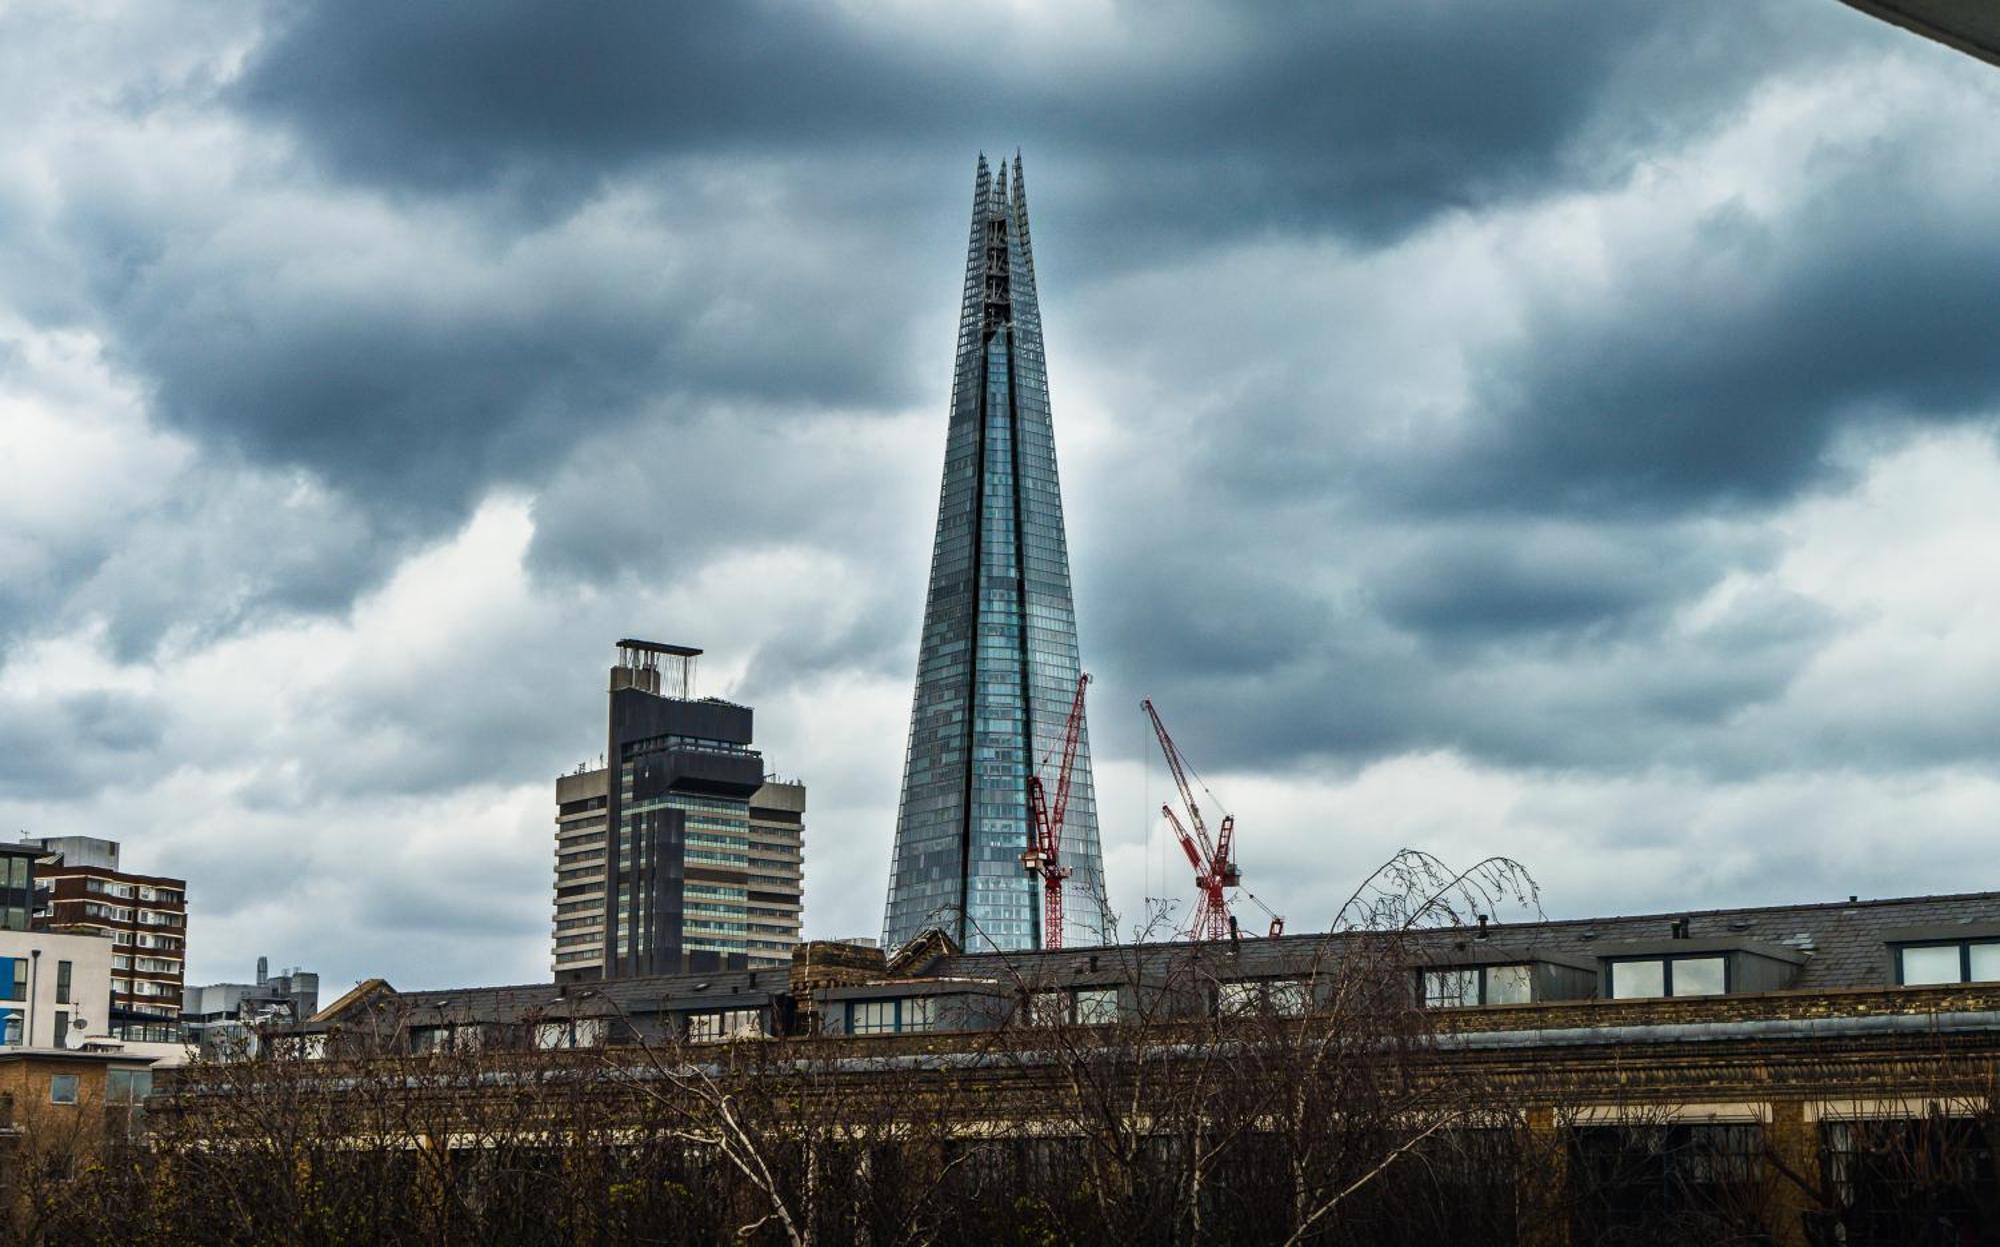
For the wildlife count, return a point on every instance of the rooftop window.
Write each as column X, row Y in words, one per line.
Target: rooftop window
column 1465, row 986
column 888, row 1017
column 1639, row 978
column 1959, row 961
column 1283, row 997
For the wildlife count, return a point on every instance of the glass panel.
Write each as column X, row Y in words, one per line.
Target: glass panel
column 1509, row 985
column 1448, row 989
column 1935, row 964
column 1633, row 980
column 1986, row 963
column 1290, row 998
column 919, row 1013
column 62, row 1088
column 1097, row 1006
column 1048, row 1008
column 871, row 1017
column 1237, row 998
column 1699, row 976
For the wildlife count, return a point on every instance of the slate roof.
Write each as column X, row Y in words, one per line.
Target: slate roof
column 650, row 994
column 1845, row 942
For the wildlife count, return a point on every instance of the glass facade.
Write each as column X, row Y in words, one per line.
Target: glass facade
column 998, row 662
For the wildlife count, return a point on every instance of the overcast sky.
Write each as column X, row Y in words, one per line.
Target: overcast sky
column 1562, row 429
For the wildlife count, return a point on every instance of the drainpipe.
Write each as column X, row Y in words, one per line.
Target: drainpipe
column 34, row 977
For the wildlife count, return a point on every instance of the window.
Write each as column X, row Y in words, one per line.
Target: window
column 1096, row 1006
column 1048, row 1008
column 871, row 1017
column 62, row 1029
column 62, row 982
column 1288, row 997
column 727, row 1024
column 1635, row 1180
column 571, row 1033
column 127, row 1086
column 883, row 1017
column 1509, row 985
column 62, row 1088
column 1448, row 989
column 1669, row 976
column 453, row 1037
column 13, row 978
column 1919, row 965
column 10, row 1026
column 1478, row 985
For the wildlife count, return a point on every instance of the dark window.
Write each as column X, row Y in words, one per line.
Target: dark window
column 1666, row 1183
column 1924, row 1180
column 62, row 1088
column 127, row 1086
column 62, row 982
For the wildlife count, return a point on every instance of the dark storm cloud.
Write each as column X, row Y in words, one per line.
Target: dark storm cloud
column 470, row 357
column 1370, row 115
column 1722, row 367
column 1517, row 643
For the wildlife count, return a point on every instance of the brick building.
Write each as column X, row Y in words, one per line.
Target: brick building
column 1831, row 1071
column 81, row 886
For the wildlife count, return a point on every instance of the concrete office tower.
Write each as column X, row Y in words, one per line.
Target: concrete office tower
column 692, row 858
column 998, row 661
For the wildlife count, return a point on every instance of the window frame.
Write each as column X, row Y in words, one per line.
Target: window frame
column 1964, row 945
column 1667, row 960
column 74, row 1082
column 901, row 1020
column 1479, row 973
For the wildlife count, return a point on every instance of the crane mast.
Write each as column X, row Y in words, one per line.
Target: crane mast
column 1214, row 861
column 1043, row 857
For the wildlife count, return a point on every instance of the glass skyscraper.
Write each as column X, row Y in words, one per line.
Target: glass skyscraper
column 998, row 664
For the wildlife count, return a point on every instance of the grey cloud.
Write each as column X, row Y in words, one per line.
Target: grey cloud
column 1371, row 115
column 59, row 747
column 1723, row 367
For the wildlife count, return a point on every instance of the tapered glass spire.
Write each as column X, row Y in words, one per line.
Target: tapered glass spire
column 998, row 663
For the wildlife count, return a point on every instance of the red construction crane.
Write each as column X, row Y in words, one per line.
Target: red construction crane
column 1214, row 861
column 1043, row 857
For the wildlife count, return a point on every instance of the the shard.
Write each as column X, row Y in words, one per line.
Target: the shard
column 999, row 658
column 998, row 664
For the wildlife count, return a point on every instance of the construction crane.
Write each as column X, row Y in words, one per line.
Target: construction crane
column 1043, row 858
column 1214, row 861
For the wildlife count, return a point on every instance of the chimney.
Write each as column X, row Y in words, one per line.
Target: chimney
column 1482, row 926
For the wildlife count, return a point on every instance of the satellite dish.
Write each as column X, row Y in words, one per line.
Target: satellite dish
column 74, row 1036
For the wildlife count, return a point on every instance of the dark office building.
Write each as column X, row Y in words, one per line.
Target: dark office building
column 998, row 664
column 679, row 854
column 17, row 885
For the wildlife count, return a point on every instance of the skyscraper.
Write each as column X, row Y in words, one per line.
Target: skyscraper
column 998, row 663
column 681, row 854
